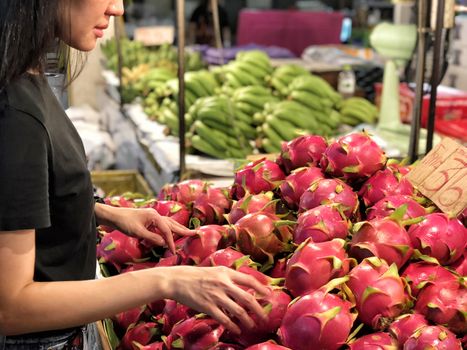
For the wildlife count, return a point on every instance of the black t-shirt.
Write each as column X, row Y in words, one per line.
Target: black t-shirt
column 44, row 181
column 203, row 19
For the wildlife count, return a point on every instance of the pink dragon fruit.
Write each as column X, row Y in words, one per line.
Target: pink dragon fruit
column 142, row 333
column 327, row 191
column 375, row 341
column 445, row 304
column 406, row 325
column 172, row 314
column 386, row 206
column 195, row 333
column 119, row 201
column 119, row 249
column 152, row 346
column 298, row 182
column 175, row 210
column 184, row 192
column 279, row 268
column 319, row 320
column 275, row 304
column 353, row 157
column 260, row 176
column 269, row 345
column 460, row 265
column 252, row 203
column 203, row 243
column 439, row 237
column 262, row 236
column 315, row 264
column 420, row 274
column 228, row 257
column 209, row 208
column 302, row 151
column 384, row 238
column 433, row 337
column 139, row 266
column 385, row 183
column 172, row 260
column 225, row 346
column 379, row 292
column 321, row 224
column 123, row 320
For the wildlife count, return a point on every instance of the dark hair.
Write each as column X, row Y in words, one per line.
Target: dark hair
column 27, row 34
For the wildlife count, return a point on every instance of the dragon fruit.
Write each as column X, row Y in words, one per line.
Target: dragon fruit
column 141, row 333
column 260, row 176
column 262, row 236
column 123, row 320
column 439, row 237
column 445, row 304
column 384, row 238
column 184, row 192
column 210, row 206
column 119, row 201
column 375, row 341
column 225, row 346
column 353, row 157
column 319, row 320
column 321, row 224
column 379, row 292
column 406, row 325
column 298, row 182
column 386, row 206
column 460, row 265
column 195, row 333
column 302, row 151
column 385, row 183
column 152, row 346
column 327, row 191
column 203, row 243
column 315, row 264
column 433, row 337
column 228, row 257
column 275, row 304
column 175, row 210
column 252, row 203
column 279, row 268
column 267, row 346
column 119, row 249
column 172, row 314
column 420, row 274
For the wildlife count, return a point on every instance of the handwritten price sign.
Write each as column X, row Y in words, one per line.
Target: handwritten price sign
column 442, row 176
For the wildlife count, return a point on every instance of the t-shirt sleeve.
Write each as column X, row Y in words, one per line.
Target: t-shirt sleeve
column 24, row 179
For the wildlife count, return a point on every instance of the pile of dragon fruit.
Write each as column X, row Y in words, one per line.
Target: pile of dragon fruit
column 354, row 256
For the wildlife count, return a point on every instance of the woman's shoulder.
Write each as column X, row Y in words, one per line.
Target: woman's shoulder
column 27, row 95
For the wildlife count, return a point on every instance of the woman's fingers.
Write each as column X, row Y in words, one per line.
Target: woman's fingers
column 248, row 301
column 166, row 233
column 223, row 319
column 180, row 229
column 233, row 309
column 250, row 282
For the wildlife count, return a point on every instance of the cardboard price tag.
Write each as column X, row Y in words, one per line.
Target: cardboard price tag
column 155, row 35
column 442, row 176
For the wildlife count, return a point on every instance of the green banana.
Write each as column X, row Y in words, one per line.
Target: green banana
column 224, row 128
column 244, row 117
column 271, row 134
column 269, row 146
column 313, row 84
column 214, row 137
column 204, row 147
column 247, row 108
column 307, row 99
column 286, row 130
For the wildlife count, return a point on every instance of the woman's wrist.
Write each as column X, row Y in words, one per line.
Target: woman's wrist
column 105, row 214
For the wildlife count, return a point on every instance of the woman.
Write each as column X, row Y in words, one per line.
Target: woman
column 47, row 211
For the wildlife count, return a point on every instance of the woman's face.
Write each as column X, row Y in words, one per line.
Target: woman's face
column 84, row 21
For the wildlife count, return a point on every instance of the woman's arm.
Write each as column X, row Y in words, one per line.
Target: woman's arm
column 28, row 306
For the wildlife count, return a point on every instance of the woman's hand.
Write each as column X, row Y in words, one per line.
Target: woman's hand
column 142, row 223
column 217, row 292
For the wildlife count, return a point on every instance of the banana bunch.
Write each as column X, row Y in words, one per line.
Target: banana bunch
column 249, row 68
column 248, row 101
column 215, row 130
column 283, row 76
column 357, row 110
column 286, row 120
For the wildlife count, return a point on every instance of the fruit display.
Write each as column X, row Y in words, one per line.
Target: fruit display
column 354, row 256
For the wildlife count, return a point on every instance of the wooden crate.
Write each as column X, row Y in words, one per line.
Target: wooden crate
column 117, row 182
